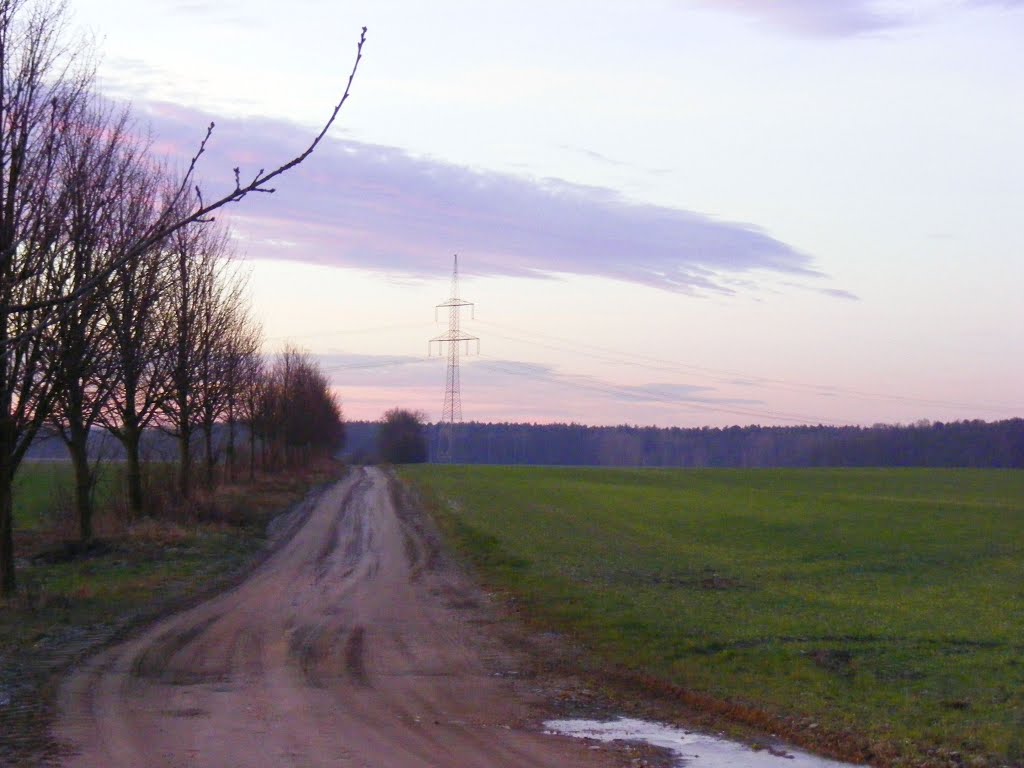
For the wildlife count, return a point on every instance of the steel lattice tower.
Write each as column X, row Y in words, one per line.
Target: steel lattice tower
column 451, row 413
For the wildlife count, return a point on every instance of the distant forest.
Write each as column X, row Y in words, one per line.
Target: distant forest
column 924, row 444
column 950, row 444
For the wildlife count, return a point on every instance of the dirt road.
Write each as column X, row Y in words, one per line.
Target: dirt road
column 354, row 644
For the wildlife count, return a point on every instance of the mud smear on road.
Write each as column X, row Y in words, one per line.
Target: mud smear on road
column 354, row 648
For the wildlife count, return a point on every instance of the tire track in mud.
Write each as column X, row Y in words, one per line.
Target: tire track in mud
column 356, row 643
column 354, row 649
column 330, row 542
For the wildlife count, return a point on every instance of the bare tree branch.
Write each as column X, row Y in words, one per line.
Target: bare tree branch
column 170, row 221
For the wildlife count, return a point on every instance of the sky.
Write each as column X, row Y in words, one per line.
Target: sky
column 670, row 212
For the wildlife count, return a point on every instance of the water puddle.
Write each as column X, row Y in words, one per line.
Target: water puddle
column 693, row 750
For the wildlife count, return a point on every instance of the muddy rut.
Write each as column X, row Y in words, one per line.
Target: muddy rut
column 354, row 644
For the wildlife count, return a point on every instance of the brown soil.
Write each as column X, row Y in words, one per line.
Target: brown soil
column 357, row 643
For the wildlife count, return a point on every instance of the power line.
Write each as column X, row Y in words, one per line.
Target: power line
column 606, row 388
column 392, row 363
column 350, row 331
column 728, row 376
column 652, row 395
column 648, row 362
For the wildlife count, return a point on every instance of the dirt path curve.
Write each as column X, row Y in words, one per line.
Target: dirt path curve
column 352, row 645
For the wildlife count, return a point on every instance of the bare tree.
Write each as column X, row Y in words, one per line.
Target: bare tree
column 402, row 438
column 193, row 318
column 300, row 415
column 39, row 92
column 218, row 314
column 242, row 358
column 252, row 380
column 136, row 327
column 98, row 162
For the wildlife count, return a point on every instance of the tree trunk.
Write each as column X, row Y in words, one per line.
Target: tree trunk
column 133, row 468
column 7, row 579
column 77, row 447
column 210, row 462
column 8, row 583
column 184, row 464
column 252, row 454
column 229, row 461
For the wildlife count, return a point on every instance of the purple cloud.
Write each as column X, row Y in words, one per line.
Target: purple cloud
column 814, row 18
column 374, row 207
column 843, row 18
column 839, row 293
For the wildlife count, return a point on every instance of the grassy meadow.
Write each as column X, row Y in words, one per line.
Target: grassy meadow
column 881, row 608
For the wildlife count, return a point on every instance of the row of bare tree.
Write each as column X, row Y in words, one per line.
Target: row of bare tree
column 118, row 304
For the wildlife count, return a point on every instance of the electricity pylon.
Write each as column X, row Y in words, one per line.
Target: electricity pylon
column 452, row 410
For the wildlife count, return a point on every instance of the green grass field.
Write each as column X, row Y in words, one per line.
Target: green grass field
column 39, row 488
column 888, row 604
column 44, row 490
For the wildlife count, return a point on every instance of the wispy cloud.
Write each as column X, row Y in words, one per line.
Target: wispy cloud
column 839, row 293
column 593, row 155
column 133, row 76
column 611, row 162
column 376, row 207
column 504, row 389
column 815, row 18
column 1012, row 4
column 836, row 293
column 229, row 11
column 849, row 18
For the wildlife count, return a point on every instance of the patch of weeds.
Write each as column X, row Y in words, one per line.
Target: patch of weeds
column 486, row 551
column 838, row 661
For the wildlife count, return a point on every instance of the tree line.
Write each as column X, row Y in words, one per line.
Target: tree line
column 972, row 443
column 120, row 307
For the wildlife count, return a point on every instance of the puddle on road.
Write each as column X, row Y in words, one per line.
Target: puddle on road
column 693, row 750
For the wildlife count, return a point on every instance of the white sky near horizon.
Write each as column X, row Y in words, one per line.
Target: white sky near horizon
column 883, row 141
